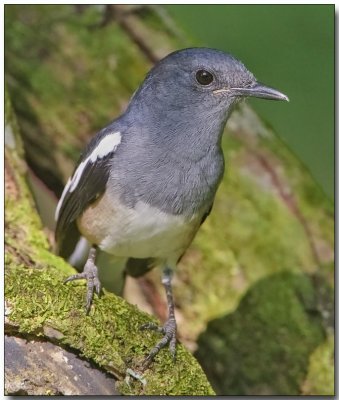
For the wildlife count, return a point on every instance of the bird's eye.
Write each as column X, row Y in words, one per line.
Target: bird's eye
column 204, row 77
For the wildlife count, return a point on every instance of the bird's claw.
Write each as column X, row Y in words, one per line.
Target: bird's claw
column 90, row 273
column 169, row 330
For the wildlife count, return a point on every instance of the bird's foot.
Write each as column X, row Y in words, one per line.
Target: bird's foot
column 90, row 273
column 169, row 330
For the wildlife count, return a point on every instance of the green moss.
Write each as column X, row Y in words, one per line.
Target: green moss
column 263, row 347
column 320, row 377
column 110, row 335
column 317, row 208
column 24, row 226
column 21, row 220
column 54, row 87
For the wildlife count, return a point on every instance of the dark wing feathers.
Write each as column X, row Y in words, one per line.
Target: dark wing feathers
column 91, row 184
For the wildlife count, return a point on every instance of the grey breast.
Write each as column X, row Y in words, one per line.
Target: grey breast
column 171, row 182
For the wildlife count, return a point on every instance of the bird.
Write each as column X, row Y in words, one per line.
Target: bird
column 146, row 182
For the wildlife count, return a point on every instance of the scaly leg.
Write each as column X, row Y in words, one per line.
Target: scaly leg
column 169, row 329
column 90, row 273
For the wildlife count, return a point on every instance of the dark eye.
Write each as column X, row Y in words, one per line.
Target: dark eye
column 204, row 77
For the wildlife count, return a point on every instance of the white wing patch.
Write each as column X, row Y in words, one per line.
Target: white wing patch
column 107, row 144
column 62, row 198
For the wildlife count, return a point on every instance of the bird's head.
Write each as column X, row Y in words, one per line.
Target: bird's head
column 202, row 78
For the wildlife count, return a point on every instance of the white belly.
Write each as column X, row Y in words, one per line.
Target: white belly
column 139, row 232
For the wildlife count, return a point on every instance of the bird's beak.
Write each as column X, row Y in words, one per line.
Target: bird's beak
column 258, row 90
column 262, row 91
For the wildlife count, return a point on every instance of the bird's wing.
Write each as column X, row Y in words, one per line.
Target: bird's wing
column 88, row 181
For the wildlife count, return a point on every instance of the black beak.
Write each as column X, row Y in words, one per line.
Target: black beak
column 261, row 91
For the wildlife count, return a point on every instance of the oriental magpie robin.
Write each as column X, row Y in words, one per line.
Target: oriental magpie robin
column 147, row 181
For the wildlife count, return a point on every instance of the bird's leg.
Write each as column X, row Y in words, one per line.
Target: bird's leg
column 169, row 329
column 90, row 273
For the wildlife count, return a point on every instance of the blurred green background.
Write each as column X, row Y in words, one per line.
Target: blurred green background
column 290, row 47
